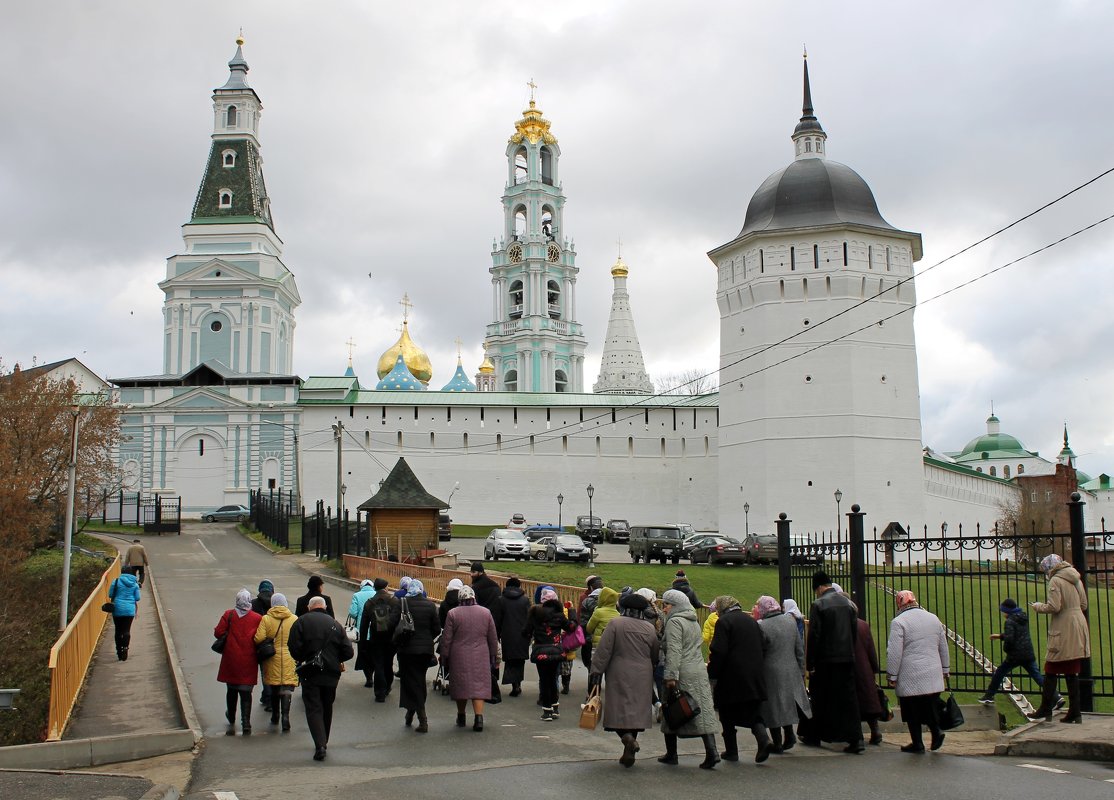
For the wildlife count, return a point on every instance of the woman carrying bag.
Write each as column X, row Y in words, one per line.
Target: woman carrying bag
column 682, row 642
column 238, row 666
column 278, row 670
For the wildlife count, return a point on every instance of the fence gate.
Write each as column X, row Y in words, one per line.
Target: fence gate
column 161, row 514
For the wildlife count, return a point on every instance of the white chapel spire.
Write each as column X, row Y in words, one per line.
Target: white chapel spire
column 622, row 369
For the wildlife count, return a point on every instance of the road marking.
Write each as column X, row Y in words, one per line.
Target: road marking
column 225, row 796
column 206, row 549
column 1046, row 769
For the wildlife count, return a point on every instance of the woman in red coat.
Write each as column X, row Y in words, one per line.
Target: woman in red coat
column 239, row 668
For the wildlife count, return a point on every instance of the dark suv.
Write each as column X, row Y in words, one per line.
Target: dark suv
column 655, row 543
column 590, row 529
column 535, row 532
column 444, row 527
column 618, row 531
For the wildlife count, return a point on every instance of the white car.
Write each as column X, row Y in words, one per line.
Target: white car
column 504, row 543
column 538, row 548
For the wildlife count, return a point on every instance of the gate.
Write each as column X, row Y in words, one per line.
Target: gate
column 161, row 514
column 962, row 578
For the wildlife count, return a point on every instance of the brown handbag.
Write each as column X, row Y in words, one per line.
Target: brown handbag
column 592, row 710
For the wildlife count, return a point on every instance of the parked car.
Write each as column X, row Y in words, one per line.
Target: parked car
column 655, row 543
column 568, row 547
column 617, row 531
column 444, row 527
column 227, row 514
column 539, row 547
column 690, row 542
column 686, row 529
column 505, row 543
column 718, row 550
column 517, row 522
column 761, row 548
column 590, row 529
column 535, row 532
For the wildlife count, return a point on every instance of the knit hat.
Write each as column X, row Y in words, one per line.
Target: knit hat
column 380, row 584
column 820, row 578
column 679, row 573
column 633, row 602
column 477, row 566
column 1009, row 606
column 266, row 586
column 513, row 583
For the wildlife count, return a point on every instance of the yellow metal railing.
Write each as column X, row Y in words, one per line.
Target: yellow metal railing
column 71, row 654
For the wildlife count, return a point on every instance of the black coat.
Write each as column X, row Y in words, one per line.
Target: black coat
column 683, row 586
column 544, row 625
column 510, row 623
column 367, row 618
column 427, row 627
column 832, row 630
column 1016, row 642
column 487, row 591
column 736, row 660
column 317, row 631
column 302, row 606
column 261, row 604
column 451, row 601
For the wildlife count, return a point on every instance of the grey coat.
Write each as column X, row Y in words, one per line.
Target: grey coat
column 469, row 645
column 785, row 669
column 625, row 656
column 682, row 644
column 917, row 653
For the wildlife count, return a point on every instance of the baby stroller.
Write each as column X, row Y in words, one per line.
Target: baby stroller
column 441, row 679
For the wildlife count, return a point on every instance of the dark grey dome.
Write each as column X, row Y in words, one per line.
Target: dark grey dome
column 812, row 192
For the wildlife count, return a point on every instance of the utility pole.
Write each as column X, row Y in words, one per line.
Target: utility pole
column 338, row 431
column 65, row 616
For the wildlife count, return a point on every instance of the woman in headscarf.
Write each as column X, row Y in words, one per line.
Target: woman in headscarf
column 239, row 669
column 685, row 671
column 784, row 670
column 415, row 652
column 917, row 665
column 1069, row 639
column 626, row 655
column 866, row 677
column 736, row 663
column 789, row 606
column 470, row 648
column 545, row 623
column 364, row 653
column 509, row 614
column 278, row 670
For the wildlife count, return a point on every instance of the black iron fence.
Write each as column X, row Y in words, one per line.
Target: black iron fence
column 962, row 578
column 160, row 514
column 154, row 513
column 273, row 513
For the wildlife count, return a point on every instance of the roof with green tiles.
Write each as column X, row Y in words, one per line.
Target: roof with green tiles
column 244, row 179
column 960, row 468
column 542, row 399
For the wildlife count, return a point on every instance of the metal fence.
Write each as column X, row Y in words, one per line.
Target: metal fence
column 962, row 578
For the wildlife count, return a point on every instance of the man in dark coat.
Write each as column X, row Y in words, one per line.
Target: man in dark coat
column 509, row 614
column 736, row 663
column 376, row 628
column 681, row 584
column 313, row 633
column 487, row 591
column 830, row 661
column 314, row 585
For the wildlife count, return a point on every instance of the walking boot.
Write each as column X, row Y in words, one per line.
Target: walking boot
column 285, row 701
column 765, row 745
column 630, row 747
column 730, row 745
column 670, row 756
column 547, row 714
column 409, row 717
column 478, row 723
column 711, row 757
column 516, row 690
column 423, row 721
column 1074, row 714
column 1048, row 697
column 790, row 738
column 275, row 709
column 461, row 720
column 566, row 680
column 556, row 711
column 245, row 713
column 230, row 713
column 775, row 741
column 875, row 732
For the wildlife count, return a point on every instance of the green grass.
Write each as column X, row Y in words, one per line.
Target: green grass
column 115, row 527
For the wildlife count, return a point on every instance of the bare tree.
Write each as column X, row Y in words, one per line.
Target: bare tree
column 690, row 381
column 1028, row 523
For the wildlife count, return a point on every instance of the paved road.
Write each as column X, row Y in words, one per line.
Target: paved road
column 373, row 754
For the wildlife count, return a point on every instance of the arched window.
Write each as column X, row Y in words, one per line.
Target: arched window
column 516, row 297
column 547, row 166
column 510, row 381
column 819, row 145
column 230, row 117
column 1006, row 471
column 630, row 446
column 993, row 472
column 560, row 381
column 553, row 298
column 520, row 223
column 229, row 158
column 521, row 166
column 547, row 222
column 225, row 198
column 870, row 257
column 808, row 145
column 1020, row 469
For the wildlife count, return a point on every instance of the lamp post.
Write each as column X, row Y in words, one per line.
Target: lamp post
column 746, row 517
column 338, row 434
column 839, row 499
column 560, row 500
column 455, row 487
column 591, row 521
column 65, row 616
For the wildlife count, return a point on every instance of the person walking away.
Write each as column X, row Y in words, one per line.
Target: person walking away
column 545, row 623
column 585, row 605
column 681, row 584
column 510, row 621
column 487, row 591
column 415, row 652
column 830, row 659
column 278, row 670
column 314, row 585
column 708, row 629
column 238, row 665
column 866, row 682
column 376, row 630
column 917, row 666
column 685, row 670
column 136, row 558
column 1069, row 639
column 317, row 633
column 784, row 670
column 736, row 662
column 450, row 601
column 124, row 594
column 1017, row 651
column 261, row 604
column 624, row 662
column 606, row 610
column 470, row 646
column 355, row 618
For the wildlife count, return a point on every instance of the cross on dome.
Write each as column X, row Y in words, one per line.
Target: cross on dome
column 351, row 345
column 406, row 306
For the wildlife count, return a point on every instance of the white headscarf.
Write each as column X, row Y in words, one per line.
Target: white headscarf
column 243, row 602
column 455, row 583
column 789, row 606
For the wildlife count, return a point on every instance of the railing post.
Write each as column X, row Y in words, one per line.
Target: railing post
column 1079, row 561
column 784, row 581
column 858, row 559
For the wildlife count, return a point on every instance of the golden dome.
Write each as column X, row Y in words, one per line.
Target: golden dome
column 413, row 356
column 533, row 126
column 620, row 269
column 487, row 368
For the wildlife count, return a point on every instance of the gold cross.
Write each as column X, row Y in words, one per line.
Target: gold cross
column 351, row 346
column 620, row 247
column 532, row 86
column 406, row 306
column 459, row 344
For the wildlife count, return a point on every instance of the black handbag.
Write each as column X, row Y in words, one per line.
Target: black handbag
column 266, row 649
column 314, row 665
column 680, row 708
column 108, row 607
column 405, row 628
column 948, row 714
column 884, row 703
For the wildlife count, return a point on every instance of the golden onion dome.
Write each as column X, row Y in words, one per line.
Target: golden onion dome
column 620, row 269
column 413, row 356
column 487, row 368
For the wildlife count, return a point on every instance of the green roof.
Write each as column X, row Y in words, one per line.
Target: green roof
column 329, row 383
column 489, row 399
column 960, row 468
column 244, row 179
column 994, row 445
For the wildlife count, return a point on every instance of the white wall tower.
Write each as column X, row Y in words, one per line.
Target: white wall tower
column 622, row 369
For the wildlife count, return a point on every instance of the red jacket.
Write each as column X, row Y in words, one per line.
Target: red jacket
column 238, row 665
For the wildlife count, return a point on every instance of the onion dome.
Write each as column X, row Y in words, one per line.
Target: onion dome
column 460, row 382
column 620, row 269
column 533, row 127
column 400, row 379
column 415, row 358
column 487, row 368
column 994, row 444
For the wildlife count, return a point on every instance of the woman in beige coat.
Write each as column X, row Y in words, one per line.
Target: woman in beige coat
column 278, row 670
column 1069, row 640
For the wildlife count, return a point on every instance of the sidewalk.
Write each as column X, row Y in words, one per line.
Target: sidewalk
column 1091, row 741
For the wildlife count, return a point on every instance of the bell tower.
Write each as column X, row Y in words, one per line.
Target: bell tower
column 534, row 341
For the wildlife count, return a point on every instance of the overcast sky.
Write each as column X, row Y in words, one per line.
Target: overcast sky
column 384, row 136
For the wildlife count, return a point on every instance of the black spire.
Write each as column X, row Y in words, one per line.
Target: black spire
column 808, row 123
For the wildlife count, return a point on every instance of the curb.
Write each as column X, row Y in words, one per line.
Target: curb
column 77, row 753
column 1026, row 740
column 185, row 704
column 161, row 791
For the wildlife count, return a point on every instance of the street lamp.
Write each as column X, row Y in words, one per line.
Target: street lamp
column 839, row 525
column 591, row 522
column 455, row 487
column 560, row 500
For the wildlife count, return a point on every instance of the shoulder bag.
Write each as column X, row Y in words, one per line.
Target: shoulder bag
column 314, row 665
column 884, row 704
column 218, row 644
column 405, row 628
column 680, row 708
column 949, row 715
column 266, row 649
column 110, row 606
column 573, row 640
